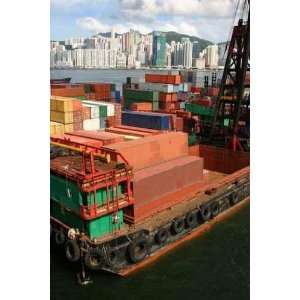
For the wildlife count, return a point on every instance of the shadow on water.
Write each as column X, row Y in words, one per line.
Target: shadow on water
column 213, row 266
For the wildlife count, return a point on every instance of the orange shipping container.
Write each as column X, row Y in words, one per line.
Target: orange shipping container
column 154, row 149
column 141, row 106
column 76, row 91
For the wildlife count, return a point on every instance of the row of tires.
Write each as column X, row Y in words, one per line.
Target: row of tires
column 138, row 248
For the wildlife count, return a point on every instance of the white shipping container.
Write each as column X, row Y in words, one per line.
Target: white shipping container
column 137, row 80
column 157, row 87
column 91, row 124
column 175, row 88
column 110, row 106
column 95, row 113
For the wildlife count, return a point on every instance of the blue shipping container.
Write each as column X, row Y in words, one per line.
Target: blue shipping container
column 146, row 120
column 117, row 95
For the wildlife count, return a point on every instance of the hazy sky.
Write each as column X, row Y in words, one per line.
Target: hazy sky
column 208, row 19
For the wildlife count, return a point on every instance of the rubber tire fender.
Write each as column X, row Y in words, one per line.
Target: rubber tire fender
column 191, row 219
column 178, row 225
column 161, row 236
column 113, row 256
column 88, row 259
column 140, row 244
column 205, row 212
column 72, row 250
column 215, row 209
column 60, row 237
column 234, row 198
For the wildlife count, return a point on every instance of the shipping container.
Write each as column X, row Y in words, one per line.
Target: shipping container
column 146, row 120
column 153, row 149
column 92, row 124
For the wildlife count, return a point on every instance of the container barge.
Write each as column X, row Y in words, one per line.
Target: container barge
column 127, row 186
column 95, row 216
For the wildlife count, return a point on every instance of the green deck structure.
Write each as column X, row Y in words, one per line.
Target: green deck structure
column 66, row 199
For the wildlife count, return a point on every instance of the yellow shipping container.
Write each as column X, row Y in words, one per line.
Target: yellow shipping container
column 61, row 117
column 56, row 128
column 68, row 128
column 61, row 104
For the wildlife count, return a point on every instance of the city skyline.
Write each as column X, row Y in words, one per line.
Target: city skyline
column 206, row 19
column 131, row 50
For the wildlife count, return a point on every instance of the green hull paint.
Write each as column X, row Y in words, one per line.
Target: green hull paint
column 104, row 225
column 67, row 193
column 94, row 229
column 69, row 218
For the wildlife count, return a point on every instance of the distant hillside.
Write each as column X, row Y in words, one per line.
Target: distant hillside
column 175, row 36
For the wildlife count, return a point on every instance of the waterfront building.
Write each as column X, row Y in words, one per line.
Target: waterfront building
column 187, row 48
column 159, row 49
column 211, row 59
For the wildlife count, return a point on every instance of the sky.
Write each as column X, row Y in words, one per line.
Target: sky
column 207, row 19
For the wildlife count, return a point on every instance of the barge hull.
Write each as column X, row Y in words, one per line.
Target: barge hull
column 193, row 234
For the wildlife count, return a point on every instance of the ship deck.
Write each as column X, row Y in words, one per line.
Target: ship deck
column 170, row 206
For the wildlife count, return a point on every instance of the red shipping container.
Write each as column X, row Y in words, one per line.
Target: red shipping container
column 213, row 91
column 110, row 121
column 77, row 105
column 195, row 89
column 154, row 149
column 179, row 123
column 152, row 183
column 86, row 112
column 167, row 97
column 80, row 140
column 184, row 114
column 161, row 78
column 77, row 116
column 106, row 138
column 141, row 106
column 140, row 129
column 76, row 91
column 77, row 126
column 167, row 106
column 205, row 102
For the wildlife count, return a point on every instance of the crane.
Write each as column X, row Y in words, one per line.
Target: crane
column 232, row 106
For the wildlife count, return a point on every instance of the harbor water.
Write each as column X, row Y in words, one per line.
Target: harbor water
column 214, row 266
column 110, row 75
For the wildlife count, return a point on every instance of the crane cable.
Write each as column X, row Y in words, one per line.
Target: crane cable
column 231, row 29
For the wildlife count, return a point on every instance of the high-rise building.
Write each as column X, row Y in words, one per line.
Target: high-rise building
column 212, row 56
column 178, row 55
column 222, row 54
column 159, row 49
column 121, row 60
column 187, row 52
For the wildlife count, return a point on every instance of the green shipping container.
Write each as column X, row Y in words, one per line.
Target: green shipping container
column 81, row 97
column 199, row 109
column 131, row 96
column 103, row 111
column 192, row 139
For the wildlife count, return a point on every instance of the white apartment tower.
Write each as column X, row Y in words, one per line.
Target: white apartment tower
column 212, row 56
column 187, row 46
